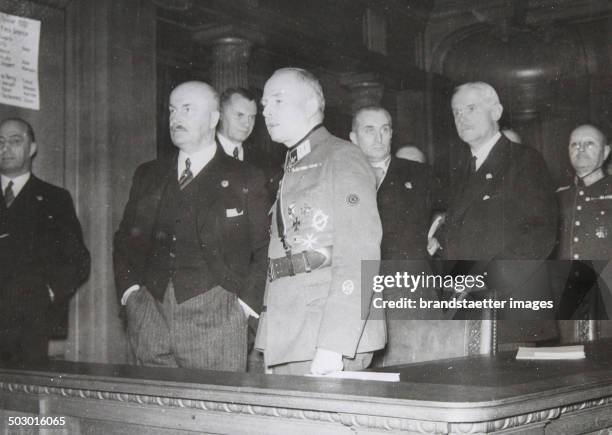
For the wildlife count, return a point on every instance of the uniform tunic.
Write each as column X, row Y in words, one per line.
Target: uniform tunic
column 327, row 203
column 586, row 226
column 586, row 234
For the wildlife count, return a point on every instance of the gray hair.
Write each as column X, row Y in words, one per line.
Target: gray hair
column 487, row 91
column 310, row 81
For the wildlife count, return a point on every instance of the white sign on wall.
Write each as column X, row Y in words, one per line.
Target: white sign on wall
column 19, row 40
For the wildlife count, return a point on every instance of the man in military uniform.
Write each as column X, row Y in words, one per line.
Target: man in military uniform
column 586, row 227
column 324, row 223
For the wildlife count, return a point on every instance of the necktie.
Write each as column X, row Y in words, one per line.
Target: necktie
column 9, row 195
column 380, row 175
column 473, row 166
column 186, row 176
column 236, row 153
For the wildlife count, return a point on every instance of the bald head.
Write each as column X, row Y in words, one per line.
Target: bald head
column 194, row 114
column 410, row 152
column 588, row 149
column 17, row 147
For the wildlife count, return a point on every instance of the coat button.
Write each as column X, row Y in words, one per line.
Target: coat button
column 577, row 223
column 579, row 208
column 576, row 256
column 576, row 239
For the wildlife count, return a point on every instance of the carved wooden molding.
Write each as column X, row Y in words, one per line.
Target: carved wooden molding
column 357, row 421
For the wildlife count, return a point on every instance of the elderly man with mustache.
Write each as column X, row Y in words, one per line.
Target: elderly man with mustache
column 190, row 252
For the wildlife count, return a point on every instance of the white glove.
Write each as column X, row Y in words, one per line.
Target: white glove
column 326, row 361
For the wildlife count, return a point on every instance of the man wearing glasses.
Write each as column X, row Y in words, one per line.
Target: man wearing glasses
column 43, row 259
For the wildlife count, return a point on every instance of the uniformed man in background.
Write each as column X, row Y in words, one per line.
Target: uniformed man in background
column 324, row 223
column 586, row 225
column 586, row 230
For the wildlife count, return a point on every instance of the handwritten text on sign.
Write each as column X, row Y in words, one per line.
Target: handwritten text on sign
column 19, row 38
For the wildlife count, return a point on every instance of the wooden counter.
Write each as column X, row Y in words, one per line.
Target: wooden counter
column 462, row 395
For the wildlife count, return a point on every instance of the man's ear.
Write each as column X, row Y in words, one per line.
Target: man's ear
column 496, row 111
column 214, row 119
column 312, row 106
column 353, row 137
column 606, row 151
column 33, row 149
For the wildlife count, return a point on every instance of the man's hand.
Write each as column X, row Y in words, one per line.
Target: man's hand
column 326, row 361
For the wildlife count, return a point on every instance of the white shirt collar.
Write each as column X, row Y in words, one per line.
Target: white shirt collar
column 198, row 160
column 229, row 146
column 18, row 182
column 383, row 164
column 483, row 152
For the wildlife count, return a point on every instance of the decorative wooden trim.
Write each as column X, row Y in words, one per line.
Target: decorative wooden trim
column 353, row 421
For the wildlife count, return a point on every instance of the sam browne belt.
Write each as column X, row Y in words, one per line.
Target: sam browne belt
column 303, row 262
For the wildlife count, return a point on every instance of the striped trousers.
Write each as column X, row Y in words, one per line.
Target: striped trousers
column 208, row 331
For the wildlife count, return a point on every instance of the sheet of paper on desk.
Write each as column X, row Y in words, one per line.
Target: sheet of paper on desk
column 364, row 376
column 558, row 352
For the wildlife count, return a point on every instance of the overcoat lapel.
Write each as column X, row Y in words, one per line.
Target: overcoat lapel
column 478, row 183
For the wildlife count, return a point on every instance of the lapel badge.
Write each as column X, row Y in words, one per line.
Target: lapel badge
column 489, row 176
column 601, row 232
column 39, row 198
column 352, row 199
column 224, row 183
column 408, row 185
column 484, row 198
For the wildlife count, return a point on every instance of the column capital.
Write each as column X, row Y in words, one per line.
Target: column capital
column 365, row 89
column 226, row 34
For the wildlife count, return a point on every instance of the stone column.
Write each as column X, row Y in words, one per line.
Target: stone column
column 230, row 63
column 364, row 92
column 231, row 49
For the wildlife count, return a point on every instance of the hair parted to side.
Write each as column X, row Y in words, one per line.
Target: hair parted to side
column 488, row 92
column 227, row 94
column 23, row 122
column 310, row 81
column 372, row 108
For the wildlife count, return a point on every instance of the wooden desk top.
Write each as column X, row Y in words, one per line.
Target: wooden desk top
column 472, row 389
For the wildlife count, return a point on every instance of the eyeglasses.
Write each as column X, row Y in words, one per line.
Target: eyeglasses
column 12, row 141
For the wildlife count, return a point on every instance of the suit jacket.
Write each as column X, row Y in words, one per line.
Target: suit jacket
column 41, row 252
column 328, row 203
column 405, row 201
column 504, row 213
column 233, row 246
column 272, row 170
